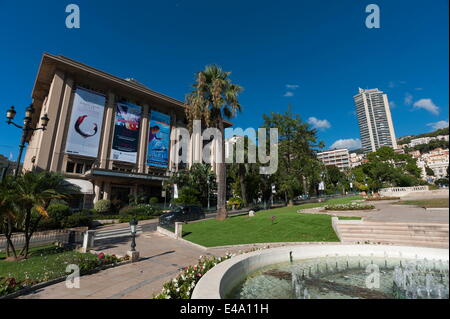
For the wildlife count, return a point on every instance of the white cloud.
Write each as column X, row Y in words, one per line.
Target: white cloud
column 418, row 89
column 438, row 125
column 392, row 104
column 292, row 86
column 319, row 124
column 427, row 104
column 351, row 144
column 408, row 99
column 288, row 94
column 393, row 84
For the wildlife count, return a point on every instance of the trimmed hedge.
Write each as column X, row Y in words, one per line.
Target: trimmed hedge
column 102, row 206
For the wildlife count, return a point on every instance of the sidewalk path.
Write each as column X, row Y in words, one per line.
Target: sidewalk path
column 162, row 259
column 386, row 211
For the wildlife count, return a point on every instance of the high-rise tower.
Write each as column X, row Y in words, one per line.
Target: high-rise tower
column 374, row 120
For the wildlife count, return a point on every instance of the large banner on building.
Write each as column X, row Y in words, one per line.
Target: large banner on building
column 86, row 122
column 159, row 140
column 126, row 132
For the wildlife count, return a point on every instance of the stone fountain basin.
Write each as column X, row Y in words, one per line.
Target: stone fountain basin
column 221, row 279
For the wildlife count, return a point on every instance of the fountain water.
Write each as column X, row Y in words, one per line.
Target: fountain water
column 347, row 278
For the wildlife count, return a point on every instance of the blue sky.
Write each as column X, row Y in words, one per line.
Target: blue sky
column 311, row 54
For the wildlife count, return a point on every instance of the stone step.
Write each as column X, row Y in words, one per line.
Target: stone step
column 393, row 227
column 394, row 237
column 398, row 242
column 440, row 233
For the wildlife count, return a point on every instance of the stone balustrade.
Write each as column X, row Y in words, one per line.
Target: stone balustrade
column 402, row 191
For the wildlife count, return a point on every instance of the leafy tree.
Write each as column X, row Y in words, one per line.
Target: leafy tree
column 385, row 168
column 334, row 174
column 214, row 98
column 197, row 178
column 429, row 171
column 188, row 195
column 295, row 151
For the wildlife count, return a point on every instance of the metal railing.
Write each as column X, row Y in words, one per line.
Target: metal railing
column 61, row 236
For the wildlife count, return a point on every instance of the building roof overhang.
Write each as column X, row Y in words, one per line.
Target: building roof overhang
column 50, row 63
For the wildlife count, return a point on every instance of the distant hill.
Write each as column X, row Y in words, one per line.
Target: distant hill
column 407, row 139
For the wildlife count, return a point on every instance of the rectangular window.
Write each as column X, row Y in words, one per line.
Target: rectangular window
column 79, row 168
column 70, row 167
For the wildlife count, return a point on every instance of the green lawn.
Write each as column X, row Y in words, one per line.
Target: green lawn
column 44, row 263
column 426, row 203
column 288, row 226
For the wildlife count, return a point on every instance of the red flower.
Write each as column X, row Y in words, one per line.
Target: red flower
column 101, row 255
column 11, row 282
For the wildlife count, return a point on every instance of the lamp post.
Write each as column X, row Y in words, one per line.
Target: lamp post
column 26, row 128
column 133, row 227
column 207, row 181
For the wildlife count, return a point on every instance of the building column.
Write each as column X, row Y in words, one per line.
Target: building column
column 108, row 129
column 107, row 190
column 143, row 139
column 58, row 152
column 45, row 152
column 96, row 192
column 173, row 156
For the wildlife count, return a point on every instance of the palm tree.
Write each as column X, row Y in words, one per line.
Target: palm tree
column 34, row 191
column 214, row 98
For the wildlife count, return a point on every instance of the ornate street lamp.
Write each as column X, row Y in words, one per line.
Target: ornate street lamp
column 133, row 227
column 26, row 127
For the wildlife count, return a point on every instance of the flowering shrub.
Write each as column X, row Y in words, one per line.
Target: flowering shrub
column 181, row 287
column 8, row 286
column 351, row 206
column 382, row 198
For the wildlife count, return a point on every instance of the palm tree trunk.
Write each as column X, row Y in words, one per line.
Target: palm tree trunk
column 221, row 179
column 24, row 251
column 9, row 243
column 242, row 183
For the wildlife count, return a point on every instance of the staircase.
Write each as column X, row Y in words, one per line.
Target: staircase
column 408, row 234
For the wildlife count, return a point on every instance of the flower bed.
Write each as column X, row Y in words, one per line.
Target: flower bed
column 350, row 206
column 86, row 262
column 181, row 287
column 382, row 198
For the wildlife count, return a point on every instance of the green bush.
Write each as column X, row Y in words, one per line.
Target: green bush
column 77, row 220
column 188, row 196
column 102, row 206
column 153, row 200
column 140, row 210
column 86, row 211
column 236, row 201
column 441, row 181
column 58, row 212
column 59, row 201
column 117, row 205
column 48, row 224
